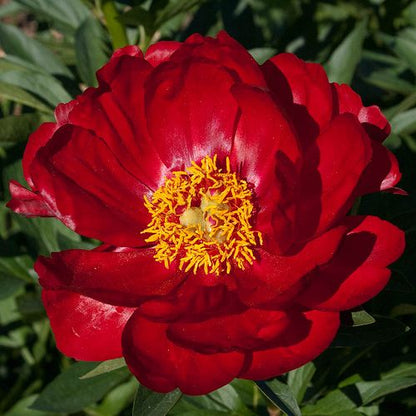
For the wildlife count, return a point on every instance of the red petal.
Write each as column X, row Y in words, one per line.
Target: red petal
column 266, row 153
column 245, row 331
column 183, row 114
column 122, row 278
column 294, row 81
column 36, row 141
column 358, row 271
column 372, row 119
column 26, row 202
column 162, row 365
column 334, row 167
column 275, row 361
column 90, row 191
column 85, row 329
column 223, row 51
column 118, row 117
column 382, row 173
column 161, row 51
column 272, row 276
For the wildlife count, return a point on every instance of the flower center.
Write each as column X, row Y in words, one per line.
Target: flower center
column 201, row 216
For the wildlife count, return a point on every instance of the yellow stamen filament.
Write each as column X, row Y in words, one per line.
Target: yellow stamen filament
column 201, row 217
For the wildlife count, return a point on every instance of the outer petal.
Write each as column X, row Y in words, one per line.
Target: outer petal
column 272, row 276
column 294, row 81
column 372, row 119
column 122, row 278
column 162, row 365
column 183, row 114
column 275, row 361
column 85, row 329
column 161, row 51
column 382, row 173
column 252, row 329
column 26, row 202
column 79, row 178
column 332, row 171
column 358, row 271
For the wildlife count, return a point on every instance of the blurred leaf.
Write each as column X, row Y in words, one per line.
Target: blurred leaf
column 67, row 393
column 21, row 408
column 174, row 8
column 388, row 80
column 401, row 371
column 404, row 46
column 361, row 318
column 335, row 403
column 91, row 50
column 230, row 399
column 280, row 395
column 136, row 16
column 404, row 122
column 18, row 128
column 9, row 9
column 9, row 286
column 13, row 93
column 118, row 399
column 15, row 42
column 299, row 379
column 16, row 267
column 261, row 55
column 149, row 403
column 384, row 329
column 64, row 14
column 105, row 367
column 43, row 86
column 30, row 306
column 344, row 60
column 372, row 390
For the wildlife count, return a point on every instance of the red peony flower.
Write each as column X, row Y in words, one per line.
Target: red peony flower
column 220, row 190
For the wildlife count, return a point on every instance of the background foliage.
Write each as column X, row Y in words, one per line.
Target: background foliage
column 50, row 51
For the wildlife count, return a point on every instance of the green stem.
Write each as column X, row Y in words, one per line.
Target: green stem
column 115, row 27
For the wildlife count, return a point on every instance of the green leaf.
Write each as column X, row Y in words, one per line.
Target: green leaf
column 18, row 128
column 44, row 86
column 138, row 16
column 9, row 286
column 91, row 49
column 118, row 398
column 105, row 367
column 281, row 395
column 335, row 403
column 261, row 55
column 361, row 318
column 402, row 370
column 404, row 46
column 344, row 60
column 13, row 93
column 299, row 379
column 15, row 42
column 372, row 390
column 384, row 329
column 150, row 403
column 22, row 408
column 63, row 14
column 405, row 122
column 67, row 393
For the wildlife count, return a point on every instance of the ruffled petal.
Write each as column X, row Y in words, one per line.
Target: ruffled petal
column 161, row 51
column 382, row 173
column 162, row 365
column 358, row 271
column 126, row 277
column 333, row 168
column 275, row 361
column 271, row 277
column 294, row 81
column 223, row 51
column 183, row 114
column 78, row 176
column 251, row 329
column 85, row 329
column 27, row 203
column 372, row 119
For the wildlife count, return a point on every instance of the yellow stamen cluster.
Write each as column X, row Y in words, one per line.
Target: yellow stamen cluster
column 201, row 217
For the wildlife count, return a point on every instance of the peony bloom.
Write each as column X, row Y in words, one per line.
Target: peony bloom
column 221, row 191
